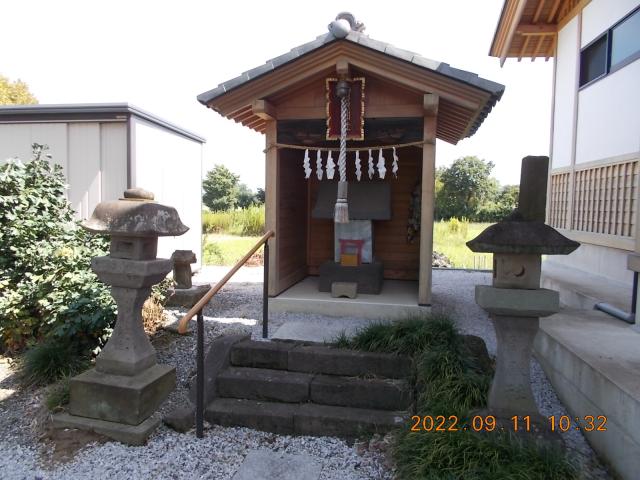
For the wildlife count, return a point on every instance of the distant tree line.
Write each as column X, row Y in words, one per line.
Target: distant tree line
column 222, row 191
column 466, row 189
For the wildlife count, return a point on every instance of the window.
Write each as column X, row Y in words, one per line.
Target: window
column 625, row 39
column 614, row 49
column 593, row 61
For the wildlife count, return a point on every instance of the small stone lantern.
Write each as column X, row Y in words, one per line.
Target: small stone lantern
column 515, row 302
column 119, row 395
column 184, row 294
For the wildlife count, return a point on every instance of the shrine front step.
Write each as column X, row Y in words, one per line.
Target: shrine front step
column 302, row 418
column 319, row 359
column 293, row 388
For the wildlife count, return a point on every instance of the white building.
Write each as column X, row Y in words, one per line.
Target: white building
column 591, row 358
column 107, row 148
column 595, row 138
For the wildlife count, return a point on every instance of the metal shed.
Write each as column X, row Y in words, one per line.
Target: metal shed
column 106, row 148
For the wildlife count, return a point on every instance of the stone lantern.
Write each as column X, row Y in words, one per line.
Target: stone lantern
column 119, row 395
column 515, row 302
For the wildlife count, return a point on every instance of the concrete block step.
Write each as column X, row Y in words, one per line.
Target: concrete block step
column 372, row 393
column 319, row 359
column 264, row 384
column 295, row 387
column 302, row 419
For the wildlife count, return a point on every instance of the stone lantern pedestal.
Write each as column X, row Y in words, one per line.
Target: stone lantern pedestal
column 127, row 385
column 515, row 302
column 516, row 318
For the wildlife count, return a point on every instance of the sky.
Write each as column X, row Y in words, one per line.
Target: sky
column 159, row 55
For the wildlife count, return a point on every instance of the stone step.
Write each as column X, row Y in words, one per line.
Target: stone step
column 295, row 387
column 302, row 419
column 372, row 393
column 264, row 384
column 318, row 359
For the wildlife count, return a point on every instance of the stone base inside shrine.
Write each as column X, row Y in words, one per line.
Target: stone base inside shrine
column 119, row 398
column 368, row 276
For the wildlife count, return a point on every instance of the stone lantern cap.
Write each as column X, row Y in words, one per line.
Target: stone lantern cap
column 135, row 215
column 516, row 235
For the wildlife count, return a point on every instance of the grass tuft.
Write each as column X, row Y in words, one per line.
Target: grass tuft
column 58, row 395
column 469, row 455
column 49, row 361
column 452, row 378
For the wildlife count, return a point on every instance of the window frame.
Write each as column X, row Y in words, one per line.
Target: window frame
column 609, row 69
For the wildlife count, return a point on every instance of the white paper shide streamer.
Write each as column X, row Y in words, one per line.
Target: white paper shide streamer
column 319, row 165
column 358, row 169
column 382, row 171
column 331, row 166
column 307, row 165
column 394, row 167
column 371, row 171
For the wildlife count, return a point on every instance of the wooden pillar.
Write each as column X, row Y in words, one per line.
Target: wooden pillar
column 271, row 202
column 428, row 197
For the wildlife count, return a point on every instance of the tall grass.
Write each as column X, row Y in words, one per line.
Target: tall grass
column 244, row 222
column 450, row 238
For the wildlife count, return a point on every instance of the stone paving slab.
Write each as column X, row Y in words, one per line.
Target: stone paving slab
column 269, row 465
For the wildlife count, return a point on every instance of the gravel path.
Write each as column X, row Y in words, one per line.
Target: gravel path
column 168, row 455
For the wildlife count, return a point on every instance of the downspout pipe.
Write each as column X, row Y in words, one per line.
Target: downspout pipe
column 620, row 314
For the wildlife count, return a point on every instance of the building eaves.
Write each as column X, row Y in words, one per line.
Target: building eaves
column 96, row 111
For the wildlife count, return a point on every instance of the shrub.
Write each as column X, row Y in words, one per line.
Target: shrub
column 47, row 289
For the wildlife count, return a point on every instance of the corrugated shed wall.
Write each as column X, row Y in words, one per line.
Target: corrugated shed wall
column 93, row 156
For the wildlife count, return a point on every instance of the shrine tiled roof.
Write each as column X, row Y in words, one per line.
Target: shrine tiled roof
column 470, row 97
column 364, row 40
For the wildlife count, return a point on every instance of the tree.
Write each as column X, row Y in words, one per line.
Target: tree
column 465, row 187
column 260, row 196
column 15, row 93
column 246, row 197
column 220, row 188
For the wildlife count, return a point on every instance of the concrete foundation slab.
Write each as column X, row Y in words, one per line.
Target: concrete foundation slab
column 398, row 299
column 128, row 434
column 119, row 398
column 268, row 465
column 319, row 330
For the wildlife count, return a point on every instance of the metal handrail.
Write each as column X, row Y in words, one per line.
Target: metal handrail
column 197, row 310
column 182, row 326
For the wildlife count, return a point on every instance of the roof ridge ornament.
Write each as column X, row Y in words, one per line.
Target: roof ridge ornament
column 344, row 23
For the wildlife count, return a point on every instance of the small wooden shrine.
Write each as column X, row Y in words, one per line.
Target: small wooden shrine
column 352, row 200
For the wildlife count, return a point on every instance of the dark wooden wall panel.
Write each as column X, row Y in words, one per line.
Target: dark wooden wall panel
column 292, row 220
column 400, row 258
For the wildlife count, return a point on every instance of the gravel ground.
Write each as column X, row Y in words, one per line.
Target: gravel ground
column 168, row 455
